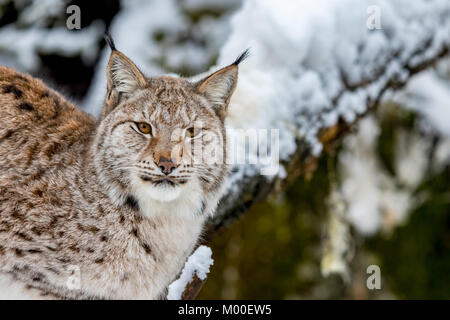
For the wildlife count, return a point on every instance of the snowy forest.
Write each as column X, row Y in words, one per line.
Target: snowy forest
column 359, row 93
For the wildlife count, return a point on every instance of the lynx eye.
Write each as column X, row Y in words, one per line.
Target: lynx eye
column 143, row 127
column 192, row 132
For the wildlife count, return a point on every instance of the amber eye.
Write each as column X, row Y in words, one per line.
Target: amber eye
column 145, row 128
column 192, row 132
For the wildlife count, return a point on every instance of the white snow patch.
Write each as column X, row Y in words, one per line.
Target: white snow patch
column 198, row 263
column 293, row 76
column 375, row 199
column 20, row 47
column 429, row 95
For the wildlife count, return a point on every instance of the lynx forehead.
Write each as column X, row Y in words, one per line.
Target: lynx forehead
column 123, row 199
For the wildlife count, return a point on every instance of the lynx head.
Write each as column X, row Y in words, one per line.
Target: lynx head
column 162, row 137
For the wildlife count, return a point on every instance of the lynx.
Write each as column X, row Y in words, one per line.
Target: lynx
column 119, row 202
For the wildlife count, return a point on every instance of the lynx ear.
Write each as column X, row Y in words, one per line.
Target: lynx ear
column 123, row 77
column 219, row 86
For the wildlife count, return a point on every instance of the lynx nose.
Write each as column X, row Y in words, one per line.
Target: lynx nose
column 166, row 165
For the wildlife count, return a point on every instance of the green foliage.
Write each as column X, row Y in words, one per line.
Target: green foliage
column 416, row 258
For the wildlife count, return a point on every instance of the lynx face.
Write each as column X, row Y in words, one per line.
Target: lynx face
column 162, row 138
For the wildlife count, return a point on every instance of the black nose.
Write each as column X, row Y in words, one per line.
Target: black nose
column 166, row 165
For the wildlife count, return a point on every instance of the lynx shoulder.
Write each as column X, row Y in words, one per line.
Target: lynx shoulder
column 36, row 123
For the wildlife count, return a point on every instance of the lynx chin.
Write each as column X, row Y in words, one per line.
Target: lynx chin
column 121, row 199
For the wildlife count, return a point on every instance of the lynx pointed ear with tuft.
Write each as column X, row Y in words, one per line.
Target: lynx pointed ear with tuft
column 123, row 77
column 219, row 86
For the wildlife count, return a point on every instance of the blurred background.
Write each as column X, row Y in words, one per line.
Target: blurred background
column 386, row 182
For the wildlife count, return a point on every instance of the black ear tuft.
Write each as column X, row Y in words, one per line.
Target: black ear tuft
column 244, row 55
column 109, row 40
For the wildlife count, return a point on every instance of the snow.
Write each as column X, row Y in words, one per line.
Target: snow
column 293, row 76
column 429, row 95
column 377, row 200
column 359, row 169
column 21, row 46
column 198, row 263
column 41, row 10
column 374, row 198
column 195, row 5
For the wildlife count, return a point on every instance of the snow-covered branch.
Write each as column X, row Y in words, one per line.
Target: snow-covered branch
column 315, row 69
column 194, row 273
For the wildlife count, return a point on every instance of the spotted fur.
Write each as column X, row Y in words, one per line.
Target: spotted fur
column 76, row 192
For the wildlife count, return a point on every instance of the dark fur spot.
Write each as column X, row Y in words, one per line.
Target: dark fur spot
column 205, row 180
column 56, row 202
column 38, row 192
column 64, row 260
column 37, row 231
column 7, row 135
column 90, row 250
column 18, row 252
column 24, row 236
column 16, row 215
column 51, row 150
column 100, row 210
column 6, row 224
column 159, row 93
column 134, row 232
column 121, row 219
column 132, row 203
column 34, row 250
column 99, row 260
column 17, row 268
column 74, row 248
column 22, row 78
column 146, row 247
column 53, row 269
column 25, row 106
column 37, row 175
column 92, row 229
column 53, row 222
column 202, row 209
column 38, row 277
column 2, row 250
column 14, row 90
column 45, row 94
column 104, row 238
column 138, row 218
